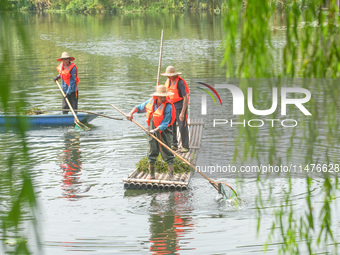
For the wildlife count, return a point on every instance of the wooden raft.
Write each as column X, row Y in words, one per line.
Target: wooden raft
column 141, row 180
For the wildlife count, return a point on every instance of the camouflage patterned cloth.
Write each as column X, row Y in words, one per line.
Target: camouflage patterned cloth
column 155, row 148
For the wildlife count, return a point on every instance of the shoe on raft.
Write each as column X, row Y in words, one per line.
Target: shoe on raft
column 184, row 150
column 173, row 147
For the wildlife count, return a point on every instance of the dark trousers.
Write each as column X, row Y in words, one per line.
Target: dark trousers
column 73, row 101
column 183, row 129
column 155, row 148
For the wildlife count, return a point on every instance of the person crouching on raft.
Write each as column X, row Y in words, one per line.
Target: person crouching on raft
column 160, row 115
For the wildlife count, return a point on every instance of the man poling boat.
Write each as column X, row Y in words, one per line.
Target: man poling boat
column 68, row 73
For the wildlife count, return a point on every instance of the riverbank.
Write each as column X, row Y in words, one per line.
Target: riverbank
column 129, row 6
column 115, row 6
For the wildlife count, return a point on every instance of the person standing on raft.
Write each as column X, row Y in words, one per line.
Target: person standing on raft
column 180, row 99
column 160, row 114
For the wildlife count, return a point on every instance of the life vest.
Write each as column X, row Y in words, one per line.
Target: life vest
column 174, row 89
column 65, row 73
column 158, row 115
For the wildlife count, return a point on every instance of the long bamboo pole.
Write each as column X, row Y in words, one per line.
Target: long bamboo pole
column 76, row 120
column 85, row 111
column 213, row 183
column 160, row 59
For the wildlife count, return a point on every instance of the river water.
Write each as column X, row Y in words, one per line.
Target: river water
column 83, row 207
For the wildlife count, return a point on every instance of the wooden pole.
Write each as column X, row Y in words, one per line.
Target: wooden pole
column 76, row 120
column 160, row 59
column 85, row 111
column 214, row 184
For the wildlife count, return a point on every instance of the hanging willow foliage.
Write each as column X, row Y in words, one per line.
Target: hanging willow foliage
column 16, row 185
column 311, row 37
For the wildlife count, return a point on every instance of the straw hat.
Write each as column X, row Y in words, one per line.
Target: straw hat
column 161, row 92
column 65, row 55
column 170, row 71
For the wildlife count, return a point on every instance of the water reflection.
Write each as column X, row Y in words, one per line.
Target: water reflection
column 169, row 228
column 71, row 165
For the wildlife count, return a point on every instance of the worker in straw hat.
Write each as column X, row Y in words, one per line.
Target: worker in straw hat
column 68, row 73
column 160, row 115
column 180, row 99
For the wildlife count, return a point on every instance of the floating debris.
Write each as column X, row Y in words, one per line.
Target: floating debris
column 35, row 111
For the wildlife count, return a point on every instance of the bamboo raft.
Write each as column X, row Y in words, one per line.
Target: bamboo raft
column 141, row 180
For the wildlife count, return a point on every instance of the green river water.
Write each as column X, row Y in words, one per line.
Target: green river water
column 88, row 211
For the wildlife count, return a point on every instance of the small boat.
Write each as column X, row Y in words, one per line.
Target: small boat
column 45, row 119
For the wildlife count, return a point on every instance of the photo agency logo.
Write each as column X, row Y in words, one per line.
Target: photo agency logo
column 204, row 97
column 281, row 98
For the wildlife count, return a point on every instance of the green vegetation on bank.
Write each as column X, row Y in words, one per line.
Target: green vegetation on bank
column 117, row 6
column 145, row 6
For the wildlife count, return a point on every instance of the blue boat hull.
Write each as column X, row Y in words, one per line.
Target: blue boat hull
column 45, row 120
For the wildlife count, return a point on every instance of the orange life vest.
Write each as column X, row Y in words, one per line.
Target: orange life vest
column 65, row 73
column 174, row 89
column 158, row 115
